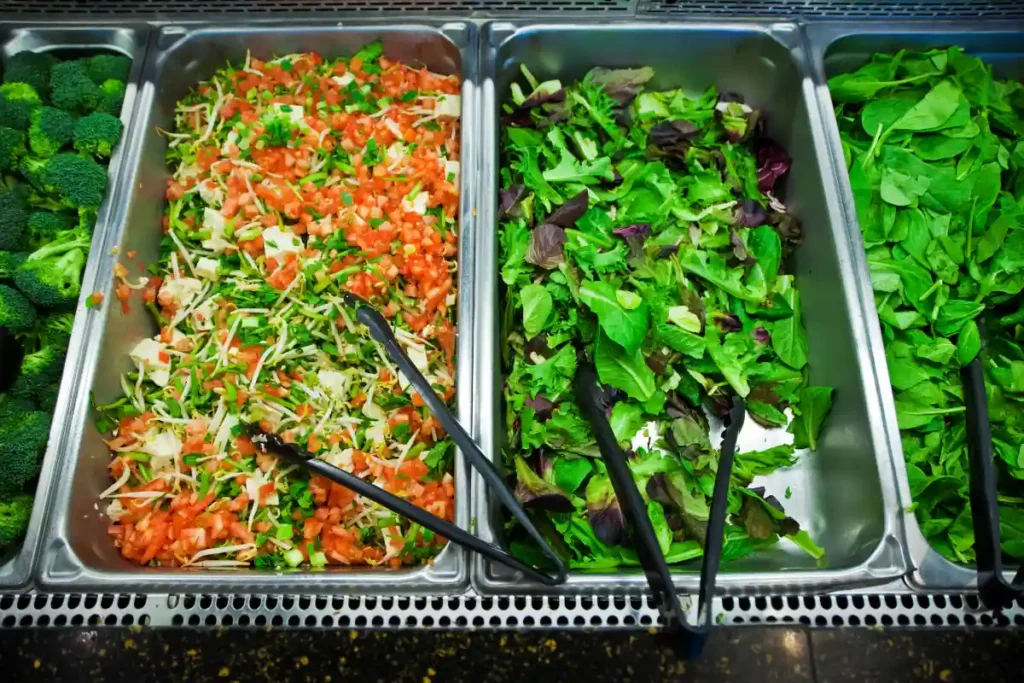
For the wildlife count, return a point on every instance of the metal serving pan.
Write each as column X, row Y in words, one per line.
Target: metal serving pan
column 837, row 48
column 844, row 493
column 78, row 553
column 66, row 40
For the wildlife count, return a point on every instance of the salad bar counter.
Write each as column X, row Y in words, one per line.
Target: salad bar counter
column 813, row 224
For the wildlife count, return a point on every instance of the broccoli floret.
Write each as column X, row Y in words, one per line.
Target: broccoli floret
column 9, row 262
column 13, row 220
column 51, row 276
column 22, row 441
column 15, row 511
column 98, row 133
column 111, row 97
column 106, row 67
column 30, row 67
column 16, row 312
column 13, row 407
column 56, row 329
column 71, row 88
column 44, row 226
column 17, row 102
column 39, row 371
column 79, row 182
column 50, row 130
column 12, row 148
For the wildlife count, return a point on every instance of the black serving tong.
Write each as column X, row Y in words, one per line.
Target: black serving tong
column 275, row 445
column 692, row 637
column 381, row 332
column 993, row 588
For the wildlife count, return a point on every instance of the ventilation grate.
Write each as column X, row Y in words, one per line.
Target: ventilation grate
column 839, row 9
column 177, row 8
column 470, row 611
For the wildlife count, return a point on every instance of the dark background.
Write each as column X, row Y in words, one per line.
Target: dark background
column 752, row 653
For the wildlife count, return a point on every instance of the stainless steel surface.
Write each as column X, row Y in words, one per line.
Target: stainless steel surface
column 845, row 9
column 68, row 40
column 218, row 10
column 471, row 611
column 837, row 48
column 79, row 554
column 844, row 494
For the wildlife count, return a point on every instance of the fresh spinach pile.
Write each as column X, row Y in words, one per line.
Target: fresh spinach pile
column 935, row 150
column 641, row 229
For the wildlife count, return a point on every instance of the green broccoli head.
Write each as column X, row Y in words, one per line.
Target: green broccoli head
column 51, row 276
column 107, row 67
column 71, row 88
column 112, row 93
column 50, row 130
column 31, row 170
column 15, row 511
column 56, row 329
column 12, row 148
column 16, row 312
column 30, row 67
column 80, row 183
column 98, row 134
column 17, row 102
column 22, row 442
column 44, row 226
column 39, row 371
column 9, row 262
column 13, row 221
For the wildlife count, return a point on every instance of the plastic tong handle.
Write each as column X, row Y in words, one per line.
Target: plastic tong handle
column 995, row 592
column 649, row 552
column 380, row 330
column 272, row 443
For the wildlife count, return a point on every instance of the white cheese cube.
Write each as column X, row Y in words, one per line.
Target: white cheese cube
column 203, row 315
column 451, row 172
column 333, row 382
column 277, row 243
column 207, row 268
column 417, row 205
column 215, row 222
column 182, row 290
column 448, row 105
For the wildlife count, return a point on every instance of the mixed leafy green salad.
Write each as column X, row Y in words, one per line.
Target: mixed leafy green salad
column 935, row 149
column 644, row 230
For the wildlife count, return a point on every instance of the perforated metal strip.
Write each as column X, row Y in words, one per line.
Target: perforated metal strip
column 178, row 8
column 471, row 611
column 838, row 9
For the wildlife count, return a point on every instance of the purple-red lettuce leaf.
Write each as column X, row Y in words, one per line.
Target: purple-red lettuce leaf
column 546, row 243
column 750, row 214
column 673, row 137
column 532, row 491
column 622, row 85
column 772, row 163
column 509, row 200
column 603, row 510
column 568, row 213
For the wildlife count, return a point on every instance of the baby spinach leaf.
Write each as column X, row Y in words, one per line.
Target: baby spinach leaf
column 815, row 405
column 623, row 370
column 626, row 327
column 788, row 336
column 537, row 305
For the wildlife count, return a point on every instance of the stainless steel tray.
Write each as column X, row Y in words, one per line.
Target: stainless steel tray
column 837, row 47
column 67, row 40
column 845, row 493
column 78, row 554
